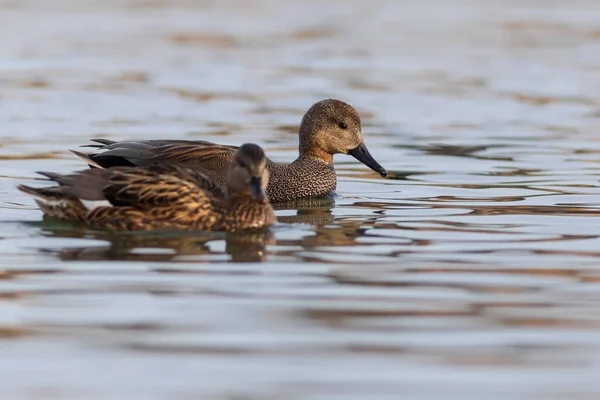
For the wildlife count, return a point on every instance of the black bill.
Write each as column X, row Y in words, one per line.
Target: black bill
column 256, row 190
column 361, row 153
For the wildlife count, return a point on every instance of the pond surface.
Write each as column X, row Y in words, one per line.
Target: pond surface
column 472, row 271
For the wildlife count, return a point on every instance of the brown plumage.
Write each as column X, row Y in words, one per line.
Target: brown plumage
column 329, row 127
column 162, row 197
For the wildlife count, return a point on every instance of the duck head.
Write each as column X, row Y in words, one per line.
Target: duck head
column 333, row 127
column 248, row 174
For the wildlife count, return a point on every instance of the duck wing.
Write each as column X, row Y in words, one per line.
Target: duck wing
column 160, row 187
column 196, row 154
column 142, row 188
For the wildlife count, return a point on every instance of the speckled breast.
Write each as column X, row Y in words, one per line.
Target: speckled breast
column 307, row 178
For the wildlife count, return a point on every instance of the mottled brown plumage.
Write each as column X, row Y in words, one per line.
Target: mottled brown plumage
column 329, row 127
column 162, row 197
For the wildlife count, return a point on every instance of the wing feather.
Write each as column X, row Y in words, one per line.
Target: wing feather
column 193, row 153
column 151, row 188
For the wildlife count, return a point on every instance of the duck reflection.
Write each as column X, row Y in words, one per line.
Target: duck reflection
column 156, row 246
column 324, row 230
column 310, row 211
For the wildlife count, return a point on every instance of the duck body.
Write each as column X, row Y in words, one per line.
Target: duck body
column 329, row 127
column 160, row 197
column 305, row 177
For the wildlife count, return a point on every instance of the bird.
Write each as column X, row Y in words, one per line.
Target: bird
column 329, row 127
column 161, row 197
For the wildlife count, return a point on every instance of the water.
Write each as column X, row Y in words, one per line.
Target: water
column 472, row 272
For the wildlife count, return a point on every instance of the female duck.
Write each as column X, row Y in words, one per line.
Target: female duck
column 329, row 127
column 162, row 197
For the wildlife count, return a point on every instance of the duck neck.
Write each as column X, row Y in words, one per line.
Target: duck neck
column 317, row 155
column 236, row 198
column 308, row 149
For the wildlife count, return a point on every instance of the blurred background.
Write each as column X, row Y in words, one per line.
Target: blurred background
column 471, row 272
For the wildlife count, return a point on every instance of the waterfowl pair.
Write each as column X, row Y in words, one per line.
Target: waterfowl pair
column 162, row 197
column 329, row 127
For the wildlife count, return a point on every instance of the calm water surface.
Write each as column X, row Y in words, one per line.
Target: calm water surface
column 472, row 272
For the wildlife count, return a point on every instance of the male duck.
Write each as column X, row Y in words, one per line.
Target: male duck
column 329, row 127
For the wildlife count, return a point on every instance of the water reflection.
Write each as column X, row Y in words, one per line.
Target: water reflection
column 323, row 231
column 155, row 246
column 462, row 151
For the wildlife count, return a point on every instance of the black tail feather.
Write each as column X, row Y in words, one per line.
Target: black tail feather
column 101, row 143
column 29, row 190
column 50, row 175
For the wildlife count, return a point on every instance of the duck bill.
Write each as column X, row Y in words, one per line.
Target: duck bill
column 257, row 191
column 361, row 153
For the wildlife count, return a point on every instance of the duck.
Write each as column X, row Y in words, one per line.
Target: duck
column 161, row 197
column 329, row 127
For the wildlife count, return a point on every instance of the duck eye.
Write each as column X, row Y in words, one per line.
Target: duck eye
column 342, row 125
